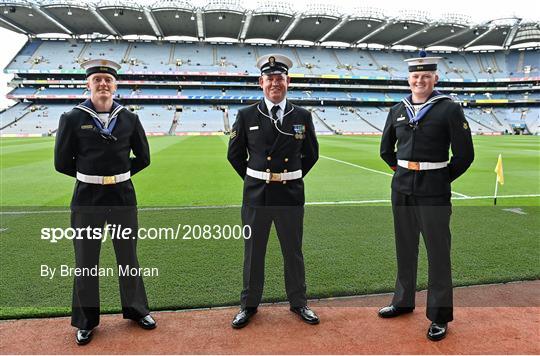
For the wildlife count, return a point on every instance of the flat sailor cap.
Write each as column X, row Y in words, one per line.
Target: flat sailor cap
column 423, row 63
column 101, row 66
column 274, row 64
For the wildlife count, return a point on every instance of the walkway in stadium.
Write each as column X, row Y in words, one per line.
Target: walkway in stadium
column 492, row 319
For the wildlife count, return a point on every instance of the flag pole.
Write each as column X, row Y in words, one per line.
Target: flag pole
column 499, row 178
column 495, row 195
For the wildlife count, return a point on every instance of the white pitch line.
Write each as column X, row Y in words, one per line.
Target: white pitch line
column 374, row 170
column 357, row 166
column 342, row 202
column 504, row 196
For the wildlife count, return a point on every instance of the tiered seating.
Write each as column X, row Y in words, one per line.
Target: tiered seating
column 13, row 113
column 24, row 91
column 376, row 116
column 155, row 118
column 44, row 120
column 200, row 119
column 482, row 121
column 235, row 58
column 532, row 120
column 318, row 60
column 530, row 60
column 113, row 51
column 61, row 91
column 205, row 92
column 194, row 57
column 143, row 56
column 343, row 120
column 22, row 60
column 391, row 63
column 359, row 62
column 369, row 96
column 455, row 66
column 149, row 56
column 58, row 54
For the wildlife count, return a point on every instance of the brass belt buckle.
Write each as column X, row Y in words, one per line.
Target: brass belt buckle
column 275, row 177
column 109, row 180
column 415, row 166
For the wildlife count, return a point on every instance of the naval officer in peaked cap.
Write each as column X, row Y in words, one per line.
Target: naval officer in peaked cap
column 93, row 144
column 417, row 137
column 272, row 147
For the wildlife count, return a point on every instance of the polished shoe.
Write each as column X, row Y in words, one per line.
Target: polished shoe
column 437, row 331
column 306, row 314
column 393, row 311
column 83, row 337
column 147, row 322
column 242, row 318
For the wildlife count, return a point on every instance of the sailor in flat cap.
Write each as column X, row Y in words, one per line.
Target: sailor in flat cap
column 417, row 137
column 93, row 145
column 272, row 147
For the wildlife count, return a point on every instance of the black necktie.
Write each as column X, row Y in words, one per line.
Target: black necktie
column 274, row 113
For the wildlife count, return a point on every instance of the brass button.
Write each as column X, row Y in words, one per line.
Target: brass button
column 268, row 158
column 286, row 159
column 284, row 182
column 268, row 170
column 284, row 171
column 267, row 182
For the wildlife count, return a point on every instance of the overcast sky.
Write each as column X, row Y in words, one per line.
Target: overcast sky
column 479, row 11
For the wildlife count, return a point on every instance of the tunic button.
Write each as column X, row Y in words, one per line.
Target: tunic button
column 284, row 182
column 284, row 171
column 267, row 182
column 268, row 170
column 286, row 159
column 268, row 158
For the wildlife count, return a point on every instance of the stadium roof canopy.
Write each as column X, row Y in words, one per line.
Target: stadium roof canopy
column 272, row 22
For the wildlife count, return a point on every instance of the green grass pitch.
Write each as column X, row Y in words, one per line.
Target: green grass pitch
column 348, row 235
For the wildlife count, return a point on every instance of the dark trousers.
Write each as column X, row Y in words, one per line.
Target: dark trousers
column 429, row 216
column 85, row 305
column 289, row 226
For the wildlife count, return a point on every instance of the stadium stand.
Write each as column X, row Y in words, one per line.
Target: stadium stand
column 46, row 55
column 197, row 86
column 38, row 120
column 200, row 119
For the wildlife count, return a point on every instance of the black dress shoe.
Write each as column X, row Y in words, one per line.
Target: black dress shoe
column 437, row 331
column 242, row 318
column 393, row 311
column 147, row 322
column 306, row 314
column 83, row 337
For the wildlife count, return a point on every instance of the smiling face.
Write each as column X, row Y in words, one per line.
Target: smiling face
column 274, row 86
column 422, row 84
column 102, row 86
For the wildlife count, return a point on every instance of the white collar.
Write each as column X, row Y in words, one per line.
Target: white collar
column 270, row 105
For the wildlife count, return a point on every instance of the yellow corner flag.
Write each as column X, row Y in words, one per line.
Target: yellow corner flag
column 500, row 177
column 499, row 170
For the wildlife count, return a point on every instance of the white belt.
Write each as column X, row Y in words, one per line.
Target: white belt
column 421, row 166
column 274, row 177
column 104, row 180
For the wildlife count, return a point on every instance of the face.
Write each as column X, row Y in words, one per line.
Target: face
column 422, row 83
column 101, row 85
column 274, row 86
